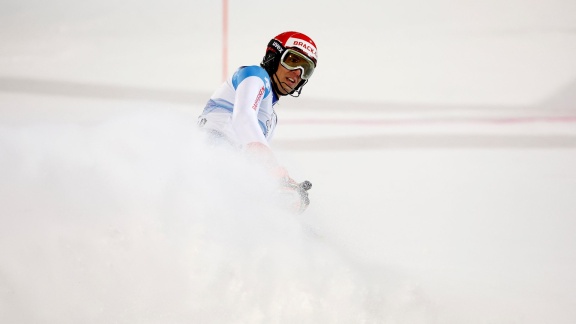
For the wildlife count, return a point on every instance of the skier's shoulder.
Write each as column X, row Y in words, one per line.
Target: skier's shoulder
column 245, row 72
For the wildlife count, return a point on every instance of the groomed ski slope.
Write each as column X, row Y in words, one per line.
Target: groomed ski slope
column 128, row 217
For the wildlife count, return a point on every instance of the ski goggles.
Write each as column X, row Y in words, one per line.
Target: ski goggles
column 293, row 60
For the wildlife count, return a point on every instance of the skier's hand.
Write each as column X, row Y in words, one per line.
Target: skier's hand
column 294, row 196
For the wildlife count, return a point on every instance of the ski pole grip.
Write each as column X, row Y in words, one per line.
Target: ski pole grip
column 306, row 185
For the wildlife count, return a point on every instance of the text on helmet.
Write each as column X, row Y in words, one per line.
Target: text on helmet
column 305, row 46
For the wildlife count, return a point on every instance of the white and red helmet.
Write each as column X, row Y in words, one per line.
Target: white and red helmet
column 297, row 44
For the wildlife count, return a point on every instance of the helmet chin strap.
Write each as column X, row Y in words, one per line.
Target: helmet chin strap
column 294, row 92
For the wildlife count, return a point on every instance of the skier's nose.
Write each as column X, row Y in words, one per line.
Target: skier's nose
column 297, row 74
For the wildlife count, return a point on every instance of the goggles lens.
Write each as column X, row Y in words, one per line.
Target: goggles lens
column 293, row 60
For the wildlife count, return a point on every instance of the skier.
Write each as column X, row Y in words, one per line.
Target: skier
column 241, row 111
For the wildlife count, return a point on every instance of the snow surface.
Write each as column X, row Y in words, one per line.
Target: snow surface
column 442, row 200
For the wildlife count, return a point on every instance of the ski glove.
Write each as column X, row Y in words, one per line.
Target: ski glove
column 294, row 196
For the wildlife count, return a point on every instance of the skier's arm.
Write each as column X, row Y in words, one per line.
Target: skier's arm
column 264, row 155
column 249, row 94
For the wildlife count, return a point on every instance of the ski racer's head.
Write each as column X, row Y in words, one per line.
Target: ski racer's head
column 290, row 60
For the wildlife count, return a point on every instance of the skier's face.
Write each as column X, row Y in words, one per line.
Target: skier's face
column 292, row 59
column 286, row 80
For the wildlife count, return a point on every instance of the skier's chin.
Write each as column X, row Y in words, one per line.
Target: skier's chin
column 285, row 88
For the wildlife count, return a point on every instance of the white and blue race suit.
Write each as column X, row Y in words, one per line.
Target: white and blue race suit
column 242, row 109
